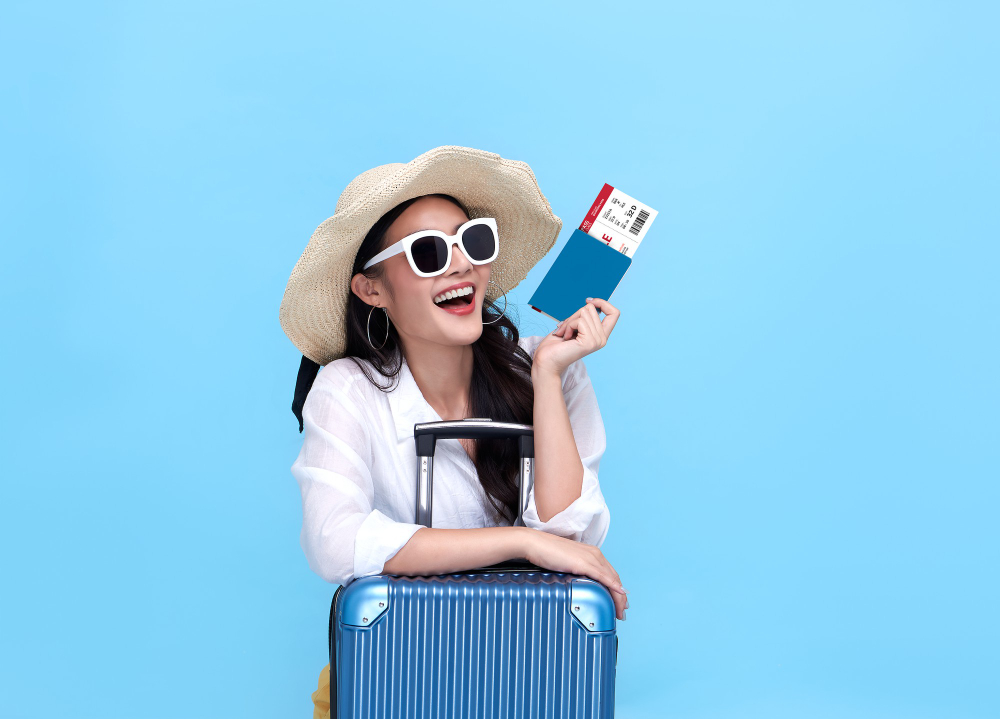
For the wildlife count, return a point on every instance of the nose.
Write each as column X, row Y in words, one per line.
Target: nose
column 459, row 262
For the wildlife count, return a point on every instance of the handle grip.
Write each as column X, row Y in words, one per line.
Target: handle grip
column 426, row 435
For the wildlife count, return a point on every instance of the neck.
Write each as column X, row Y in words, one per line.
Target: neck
column 443, row 374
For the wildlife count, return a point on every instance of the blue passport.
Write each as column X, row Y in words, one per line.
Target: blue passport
column 586, row 267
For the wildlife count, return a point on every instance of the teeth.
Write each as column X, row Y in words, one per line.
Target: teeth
column 453, row 294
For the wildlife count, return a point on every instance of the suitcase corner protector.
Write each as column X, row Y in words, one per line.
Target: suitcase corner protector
column 364, row 601
column 592, row 605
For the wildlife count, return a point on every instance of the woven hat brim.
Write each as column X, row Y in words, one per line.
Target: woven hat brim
column 314, row 306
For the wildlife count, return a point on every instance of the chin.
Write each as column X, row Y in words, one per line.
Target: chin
column 469, row 336
column 463, row 330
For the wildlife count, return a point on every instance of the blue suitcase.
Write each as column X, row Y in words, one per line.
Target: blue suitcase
column 508, row 640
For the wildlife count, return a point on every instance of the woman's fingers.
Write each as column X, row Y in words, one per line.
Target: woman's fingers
column 565, row 555
column 600, row 329
column 597, row 567
column 587, row 326
column 606, row 575
column 596, row 328
column 619, row 595
column 613, row 580
column 611, row 313
column 620, row 600
column 568, row 326
column 572, row 316
column 619, row 605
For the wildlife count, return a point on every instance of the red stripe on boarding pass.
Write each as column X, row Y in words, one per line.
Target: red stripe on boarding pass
column 596, row 208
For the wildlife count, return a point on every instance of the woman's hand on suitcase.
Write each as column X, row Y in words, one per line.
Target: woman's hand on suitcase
column 560, row 554
column 577, row 336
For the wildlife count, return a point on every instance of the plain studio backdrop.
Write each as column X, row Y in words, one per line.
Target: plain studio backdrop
column 801, row 396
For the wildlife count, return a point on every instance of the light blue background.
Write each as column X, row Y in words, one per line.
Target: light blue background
column 801, row 396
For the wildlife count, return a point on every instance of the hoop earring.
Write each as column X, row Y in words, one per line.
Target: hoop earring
column 491, row 282
column 368, row 329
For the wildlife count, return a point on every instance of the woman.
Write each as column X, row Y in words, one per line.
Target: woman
column 405, row 334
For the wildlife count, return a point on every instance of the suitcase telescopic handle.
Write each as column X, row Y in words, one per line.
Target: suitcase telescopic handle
column 426, row 435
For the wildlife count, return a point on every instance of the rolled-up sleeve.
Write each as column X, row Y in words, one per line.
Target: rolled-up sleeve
column 587, row 519
column 343, row 536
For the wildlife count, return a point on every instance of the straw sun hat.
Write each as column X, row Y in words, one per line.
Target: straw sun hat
column 314, row 306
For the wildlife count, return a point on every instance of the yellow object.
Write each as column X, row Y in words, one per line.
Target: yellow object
column 321, row 697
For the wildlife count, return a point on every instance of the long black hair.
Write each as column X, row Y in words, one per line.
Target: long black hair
column 501, row 386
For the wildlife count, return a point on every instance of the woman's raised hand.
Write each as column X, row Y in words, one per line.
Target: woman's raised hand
column 578, row 335
column 560, row 554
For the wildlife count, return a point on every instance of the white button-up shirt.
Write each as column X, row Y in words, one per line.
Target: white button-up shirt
column 357, row 470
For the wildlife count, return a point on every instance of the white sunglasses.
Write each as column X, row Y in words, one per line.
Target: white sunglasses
column 429, row 251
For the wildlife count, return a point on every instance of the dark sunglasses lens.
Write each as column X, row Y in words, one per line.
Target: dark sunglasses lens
column 480, row 242
column 429, row 253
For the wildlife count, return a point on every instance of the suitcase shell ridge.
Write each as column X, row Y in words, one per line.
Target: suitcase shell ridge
column 365, row 599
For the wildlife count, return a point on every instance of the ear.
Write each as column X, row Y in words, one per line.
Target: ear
column 367, row 289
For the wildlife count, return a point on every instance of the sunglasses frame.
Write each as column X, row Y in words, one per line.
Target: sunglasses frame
column 406, row 243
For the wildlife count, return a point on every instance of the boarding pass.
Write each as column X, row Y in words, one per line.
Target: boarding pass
column 617, row 220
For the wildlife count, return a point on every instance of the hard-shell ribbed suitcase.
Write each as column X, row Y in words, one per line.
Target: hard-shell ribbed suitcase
column 508, row 640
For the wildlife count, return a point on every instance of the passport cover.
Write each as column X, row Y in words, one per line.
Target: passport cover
column 586, row 267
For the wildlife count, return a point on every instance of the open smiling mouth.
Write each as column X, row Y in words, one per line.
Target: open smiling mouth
column 461, row 304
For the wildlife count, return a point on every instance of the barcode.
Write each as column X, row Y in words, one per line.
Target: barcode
column 639, row 222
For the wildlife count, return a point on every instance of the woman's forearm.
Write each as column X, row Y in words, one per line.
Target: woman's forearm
column 558, row 468
column 440, row 551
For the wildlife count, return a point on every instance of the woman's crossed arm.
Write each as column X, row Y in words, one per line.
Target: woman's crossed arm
column 441, row 551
